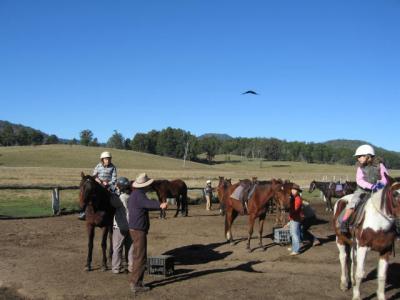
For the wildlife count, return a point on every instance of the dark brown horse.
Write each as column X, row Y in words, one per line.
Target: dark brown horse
column 96, row 201
column 172, row 189
column 331, row 190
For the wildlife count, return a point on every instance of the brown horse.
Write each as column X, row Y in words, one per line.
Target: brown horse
column 258, row 204
column 172, row 189
column 256, row 208
column 376, row 231
column 330, row 191
column 96, row 201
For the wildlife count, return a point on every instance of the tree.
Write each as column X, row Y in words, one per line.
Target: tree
column 7, row 136
column 52, row 139
column 94, row 143
column 37, row 138
column 86, row 137
column 23, row 137
column 210, row 146
column 116, row 141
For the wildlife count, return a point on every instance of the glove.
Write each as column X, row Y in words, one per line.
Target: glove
column 379, row 185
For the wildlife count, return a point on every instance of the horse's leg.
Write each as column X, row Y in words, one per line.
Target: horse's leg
column 361, row 253
column 178, row 206
column 261, row 228
column 382, row 270
column 104, row 247
column 110, row 249
column 330, row 203
column 343, row 265
column 251, row 226
column 90, row 230
column 234, row 215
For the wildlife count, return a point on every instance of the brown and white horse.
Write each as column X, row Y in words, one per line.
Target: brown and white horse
column 377, row 232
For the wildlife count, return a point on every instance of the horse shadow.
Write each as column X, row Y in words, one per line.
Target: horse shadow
column 392, row 281
column 187, row 274
column 196, row 254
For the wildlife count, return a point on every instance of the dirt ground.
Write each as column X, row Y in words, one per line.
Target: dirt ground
column 45, row 258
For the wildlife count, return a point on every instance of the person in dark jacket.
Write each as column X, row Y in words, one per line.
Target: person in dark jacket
column 139, row 224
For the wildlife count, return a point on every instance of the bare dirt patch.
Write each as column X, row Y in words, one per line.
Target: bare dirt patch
column 45, row 258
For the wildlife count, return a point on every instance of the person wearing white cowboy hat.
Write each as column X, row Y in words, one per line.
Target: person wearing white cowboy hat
column 208, row 193
column 139, row 224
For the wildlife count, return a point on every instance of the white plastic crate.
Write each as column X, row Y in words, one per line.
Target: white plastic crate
column 281, row 236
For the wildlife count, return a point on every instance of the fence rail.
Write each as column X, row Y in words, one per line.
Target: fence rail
column 55, row 192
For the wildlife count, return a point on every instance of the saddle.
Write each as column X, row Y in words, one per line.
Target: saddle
column 244, row 192
column 356, row 217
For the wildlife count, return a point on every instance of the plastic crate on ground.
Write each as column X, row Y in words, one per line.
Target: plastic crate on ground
column 160, row 265
column 281, row 235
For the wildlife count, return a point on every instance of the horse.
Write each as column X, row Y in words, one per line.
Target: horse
column 172, row 189
column 260, row 200
column 256, row 208
column 376, row 231
column 96, row 200
column 329, row 191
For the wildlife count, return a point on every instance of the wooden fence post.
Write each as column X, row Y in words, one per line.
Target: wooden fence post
column 55, row 201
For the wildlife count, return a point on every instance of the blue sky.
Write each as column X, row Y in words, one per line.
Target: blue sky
column 324, row 69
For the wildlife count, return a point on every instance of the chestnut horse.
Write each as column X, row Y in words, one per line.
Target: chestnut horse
column 96, row 201
column 377, row 231
column 172, row 189
column 257, row 205
column 259, row 201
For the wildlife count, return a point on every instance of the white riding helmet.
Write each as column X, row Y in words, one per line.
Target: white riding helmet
column 365, row 150
column 208, row 181
column 105, row 154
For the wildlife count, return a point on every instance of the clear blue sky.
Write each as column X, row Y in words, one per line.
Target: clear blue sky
column 324, row 69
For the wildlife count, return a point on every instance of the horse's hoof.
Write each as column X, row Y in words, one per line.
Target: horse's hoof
column 87, row 269
column 104, row 268
column 344, row 286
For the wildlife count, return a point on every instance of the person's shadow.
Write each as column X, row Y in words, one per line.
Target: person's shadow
column 186, row 274
column 196, row 254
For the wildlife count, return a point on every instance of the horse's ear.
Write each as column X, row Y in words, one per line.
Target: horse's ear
column 82, row 174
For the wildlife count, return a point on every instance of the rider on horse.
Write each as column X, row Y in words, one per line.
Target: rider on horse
column 105, row 173
column 370, row 177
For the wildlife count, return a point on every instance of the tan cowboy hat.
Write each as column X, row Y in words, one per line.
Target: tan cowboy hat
column 296, row 187
column 105, row 154
column 142, row 180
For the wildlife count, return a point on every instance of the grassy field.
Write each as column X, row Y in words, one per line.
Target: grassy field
column 62, row 164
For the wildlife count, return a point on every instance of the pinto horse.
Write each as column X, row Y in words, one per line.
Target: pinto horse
column 377, row 231
column 172, row 189
column 329, row 191
column 96, row 200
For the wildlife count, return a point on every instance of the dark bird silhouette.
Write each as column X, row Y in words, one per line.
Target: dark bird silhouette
column 250, row 92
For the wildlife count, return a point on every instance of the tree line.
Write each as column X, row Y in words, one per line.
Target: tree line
column 178, row 143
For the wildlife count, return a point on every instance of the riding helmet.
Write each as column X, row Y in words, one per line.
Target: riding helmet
column 365, row 150
column 123, row 183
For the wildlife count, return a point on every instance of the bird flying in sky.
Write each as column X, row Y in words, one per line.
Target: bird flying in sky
column 250, row 92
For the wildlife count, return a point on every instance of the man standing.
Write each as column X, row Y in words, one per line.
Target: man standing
column 139, row 224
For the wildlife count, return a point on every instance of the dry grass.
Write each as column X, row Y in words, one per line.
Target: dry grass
column 62, row 164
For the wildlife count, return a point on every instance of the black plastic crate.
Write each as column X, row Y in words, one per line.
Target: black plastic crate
column 160, row 265
column 281, row 235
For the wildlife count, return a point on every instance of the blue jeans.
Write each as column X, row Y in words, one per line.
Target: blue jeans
column 295, row 229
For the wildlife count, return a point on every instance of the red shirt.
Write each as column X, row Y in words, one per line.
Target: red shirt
column 296, row 212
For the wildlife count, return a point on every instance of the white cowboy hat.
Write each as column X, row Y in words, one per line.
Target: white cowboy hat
column 208, row 181
column 142, row 180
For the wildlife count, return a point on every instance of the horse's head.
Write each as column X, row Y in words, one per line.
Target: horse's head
column 87, row 189
column 312, row 186
column 222, row 187
column 391, row 199
column 282, row 195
